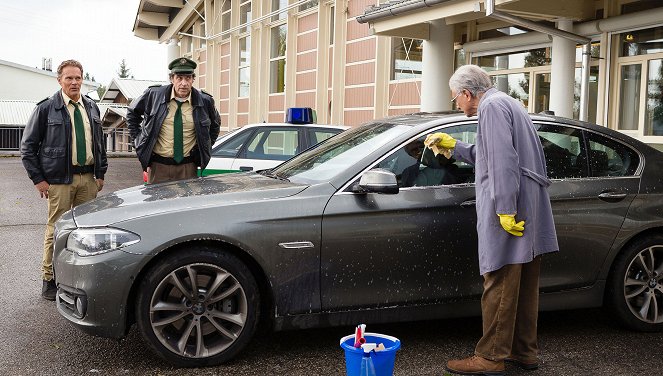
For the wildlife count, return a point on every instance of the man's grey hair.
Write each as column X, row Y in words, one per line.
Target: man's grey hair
column 471, row 78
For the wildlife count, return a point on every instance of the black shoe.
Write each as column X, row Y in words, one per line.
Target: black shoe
column 48, row 290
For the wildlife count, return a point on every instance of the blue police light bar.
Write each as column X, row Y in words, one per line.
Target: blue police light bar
column 300, row 115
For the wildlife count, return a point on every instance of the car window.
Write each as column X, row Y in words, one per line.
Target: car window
column 610, row 158
column 273, row 144
column 563, row 149
column 230, row 148
column 318, row 135
column 417, row 166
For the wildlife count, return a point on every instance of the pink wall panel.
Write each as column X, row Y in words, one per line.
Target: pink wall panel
column 276, row 117
column 308, row 22
column 201, row 82
column 202, row 68
column 360, row 74
column 276, row 102
column 224, row 63
column 306, row 61
column 242, row 120
column 305, row 100
column 405, row 93
column 224, row 106
column 224, row 77
column 225, row 48
column 203, row 56
column 357, row 30
column 307, row 42
column 224, row 92
column 330, row 64
column 305, row 81
column 360, row 51
column 353, row 118
column 359, row 97
column 243, row 105
column 224, row 120
column 357, row 7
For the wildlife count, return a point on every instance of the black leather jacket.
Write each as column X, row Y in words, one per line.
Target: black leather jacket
column 46, row 143
column 147, row 113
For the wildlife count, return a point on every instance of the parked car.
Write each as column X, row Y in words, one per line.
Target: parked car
column 368, row 227
column 265, row 145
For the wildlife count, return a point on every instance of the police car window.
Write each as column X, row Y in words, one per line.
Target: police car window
column 231, row 147
column 318, row 135
column 610, row 158
column 563, row 149
column 273, row 144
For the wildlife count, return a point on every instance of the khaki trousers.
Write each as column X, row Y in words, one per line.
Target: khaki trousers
column 161, row 173
column 62, row 197
column 510, row 309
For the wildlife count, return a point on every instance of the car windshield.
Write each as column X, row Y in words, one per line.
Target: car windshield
column 338, row 153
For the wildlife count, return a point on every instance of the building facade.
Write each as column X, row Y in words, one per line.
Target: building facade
column 359, row 60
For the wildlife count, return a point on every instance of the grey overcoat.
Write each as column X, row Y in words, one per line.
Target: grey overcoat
column 510, row 178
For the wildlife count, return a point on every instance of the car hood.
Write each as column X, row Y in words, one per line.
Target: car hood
column 183, row 195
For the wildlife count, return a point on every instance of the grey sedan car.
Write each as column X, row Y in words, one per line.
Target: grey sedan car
column 369, row 227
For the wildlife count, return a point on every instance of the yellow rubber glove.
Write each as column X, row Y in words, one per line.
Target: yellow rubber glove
column 440, row 143
column 508, row 222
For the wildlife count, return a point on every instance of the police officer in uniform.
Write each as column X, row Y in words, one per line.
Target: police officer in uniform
column 64, row 154
column 173, row 126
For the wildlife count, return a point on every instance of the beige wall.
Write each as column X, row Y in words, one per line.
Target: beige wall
column 24, row 83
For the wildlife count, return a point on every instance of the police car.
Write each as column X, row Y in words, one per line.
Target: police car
column 266, row 145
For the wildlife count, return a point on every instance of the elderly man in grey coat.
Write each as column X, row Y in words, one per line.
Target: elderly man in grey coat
column 514, row 221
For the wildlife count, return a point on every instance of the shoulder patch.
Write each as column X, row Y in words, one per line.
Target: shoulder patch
column 43, row 100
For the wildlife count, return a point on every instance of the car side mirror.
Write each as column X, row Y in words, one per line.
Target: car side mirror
column 377, row 181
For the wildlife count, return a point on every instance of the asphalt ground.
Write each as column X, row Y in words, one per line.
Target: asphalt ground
column 35, row 340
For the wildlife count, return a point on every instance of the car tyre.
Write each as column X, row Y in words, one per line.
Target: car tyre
column 635, row 285
column 198, row 307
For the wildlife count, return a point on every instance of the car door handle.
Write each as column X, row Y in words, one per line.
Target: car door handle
column 468, row 203
column 246, row 168
column 611, row 195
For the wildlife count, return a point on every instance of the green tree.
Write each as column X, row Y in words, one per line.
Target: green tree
column 124, row 71
column 101, row 90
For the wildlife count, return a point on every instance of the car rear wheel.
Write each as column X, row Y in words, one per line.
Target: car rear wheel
column 198, row 307
column 635, row 286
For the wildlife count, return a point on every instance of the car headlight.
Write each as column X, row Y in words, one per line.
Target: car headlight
column 94, row 241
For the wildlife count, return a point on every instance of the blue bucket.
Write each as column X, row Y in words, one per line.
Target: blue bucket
column 382, row 360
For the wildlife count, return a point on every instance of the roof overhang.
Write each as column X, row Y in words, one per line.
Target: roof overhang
column 411, row 18
column 161, row 20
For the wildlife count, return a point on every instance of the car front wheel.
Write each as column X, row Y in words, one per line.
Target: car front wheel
column 198, row 307
column 635, row 286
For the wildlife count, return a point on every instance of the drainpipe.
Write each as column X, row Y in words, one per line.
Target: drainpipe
column 398, row 9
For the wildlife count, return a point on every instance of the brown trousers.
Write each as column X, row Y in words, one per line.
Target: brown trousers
column 161, row 173
column 63, row 197
column 510, row 309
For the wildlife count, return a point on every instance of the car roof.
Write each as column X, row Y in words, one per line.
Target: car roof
column 312, row 125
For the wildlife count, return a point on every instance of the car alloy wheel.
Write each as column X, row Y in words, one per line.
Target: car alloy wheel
column 636, row 285
column 643, row 287
column 198, row 310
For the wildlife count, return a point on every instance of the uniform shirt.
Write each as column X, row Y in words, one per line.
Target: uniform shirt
column 164, row 145
column 89, row 157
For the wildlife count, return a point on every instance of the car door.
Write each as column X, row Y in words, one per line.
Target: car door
column 224, row 154
column 414, row 247
column 268, row 147
column 593, row 184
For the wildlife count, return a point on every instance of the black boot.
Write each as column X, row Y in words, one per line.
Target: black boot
column 48, row 290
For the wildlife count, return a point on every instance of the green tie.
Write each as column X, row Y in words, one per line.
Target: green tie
column 80, row 134
column 178, row 134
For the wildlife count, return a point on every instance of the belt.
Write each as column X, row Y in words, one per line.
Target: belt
column 87, row 169
column 170, row 161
